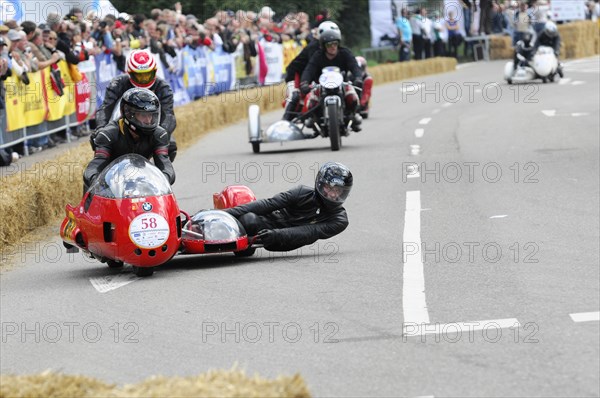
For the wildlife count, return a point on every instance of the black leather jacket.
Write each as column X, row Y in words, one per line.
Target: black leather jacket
column 344, row 60
column 299, row 63
column 112, row 141
column 552, row 42
column 299, row 215
column 117, row 88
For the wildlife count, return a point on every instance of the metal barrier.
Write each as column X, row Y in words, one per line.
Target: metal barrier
column 479, row 50
column 376, row 53
column 7, row 139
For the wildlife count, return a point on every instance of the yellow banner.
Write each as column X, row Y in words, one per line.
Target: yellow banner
column 59, row 106
column 25, row 104
column 291, row 48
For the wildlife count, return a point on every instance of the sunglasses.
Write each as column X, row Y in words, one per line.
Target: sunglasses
column 331, row 44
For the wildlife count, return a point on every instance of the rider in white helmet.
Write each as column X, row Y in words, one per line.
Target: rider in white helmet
column 550, row 37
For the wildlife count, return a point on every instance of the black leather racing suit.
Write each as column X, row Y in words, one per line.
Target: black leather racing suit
column 112, row 141
column 119, row 85
column 298, row 218
column 553, row 42
column 344, row 60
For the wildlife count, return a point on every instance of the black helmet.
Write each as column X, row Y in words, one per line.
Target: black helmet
column 333, row 183
column 140, row 110
column 329, row 36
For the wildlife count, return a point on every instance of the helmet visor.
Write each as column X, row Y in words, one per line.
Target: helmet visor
column 145, row 119
column 143, row 78
column 333, row 192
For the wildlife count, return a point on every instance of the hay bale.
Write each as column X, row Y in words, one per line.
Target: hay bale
column 219, row 383
column 36, row 197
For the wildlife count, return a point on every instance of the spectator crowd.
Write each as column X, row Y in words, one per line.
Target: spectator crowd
column 29, row 47
column 420, row 36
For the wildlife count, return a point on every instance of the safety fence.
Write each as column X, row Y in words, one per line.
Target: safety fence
column 65, row 97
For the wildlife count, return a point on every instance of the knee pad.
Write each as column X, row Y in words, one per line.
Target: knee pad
column 250, row 223
column 172, row 150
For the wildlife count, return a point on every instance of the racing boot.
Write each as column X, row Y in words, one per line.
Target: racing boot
column 560, row 70
column 356, row 123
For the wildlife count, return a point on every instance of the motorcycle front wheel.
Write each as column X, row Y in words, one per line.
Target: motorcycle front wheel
column 334, row 127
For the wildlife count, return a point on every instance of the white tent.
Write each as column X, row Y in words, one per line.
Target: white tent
column 38, row 10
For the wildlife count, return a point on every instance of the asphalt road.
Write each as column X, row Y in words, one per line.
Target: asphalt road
column 470, row 266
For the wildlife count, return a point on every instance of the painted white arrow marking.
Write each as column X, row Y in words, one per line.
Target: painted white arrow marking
column 107, row 283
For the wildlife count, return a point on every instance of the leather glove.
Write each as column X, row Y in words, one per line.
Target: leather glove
column 304, row 88
column 267, row 237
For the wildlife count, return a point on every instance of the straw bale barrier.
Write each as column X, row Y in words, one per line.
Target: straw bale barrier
column 578, row 40
column 220, row 383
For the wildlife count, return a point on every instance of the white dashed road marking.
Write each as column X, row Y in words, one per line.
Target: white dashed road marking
column 419, row 133
column 413, row 289
column 585, row 316
column 425, row 120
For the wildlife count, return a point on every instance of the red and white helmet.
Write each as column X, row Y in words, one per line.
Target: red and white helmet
column 141, row 67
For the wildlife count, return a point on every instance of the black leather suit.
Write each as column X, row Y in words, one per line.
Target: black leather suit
column 298, row 218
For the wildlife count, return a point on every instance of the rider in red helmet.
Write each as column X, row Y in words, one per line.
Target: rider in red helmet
column 136, row 131
column 141, row 73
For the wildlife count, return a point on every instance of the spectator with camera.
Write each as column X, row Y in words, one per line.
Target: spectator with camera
column 64, row 37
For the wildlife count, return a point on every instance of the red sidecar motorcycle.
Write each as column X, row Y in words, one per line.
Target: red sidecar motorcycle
column 130, row 215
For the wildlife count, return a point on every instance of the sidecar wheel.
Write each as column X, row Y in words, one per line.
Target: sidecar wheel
column 143, row 271
column 544, row 80
column 256, row 147
column 114, row 264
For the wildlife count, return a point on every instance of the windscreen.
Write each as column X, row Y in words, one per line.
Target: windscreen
column 130, row 176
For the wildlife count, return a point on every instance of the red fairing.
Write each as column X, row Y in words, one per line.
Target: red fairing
column 144, row 232
column 200, row 246
column 366, row 93
column 233, row 195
